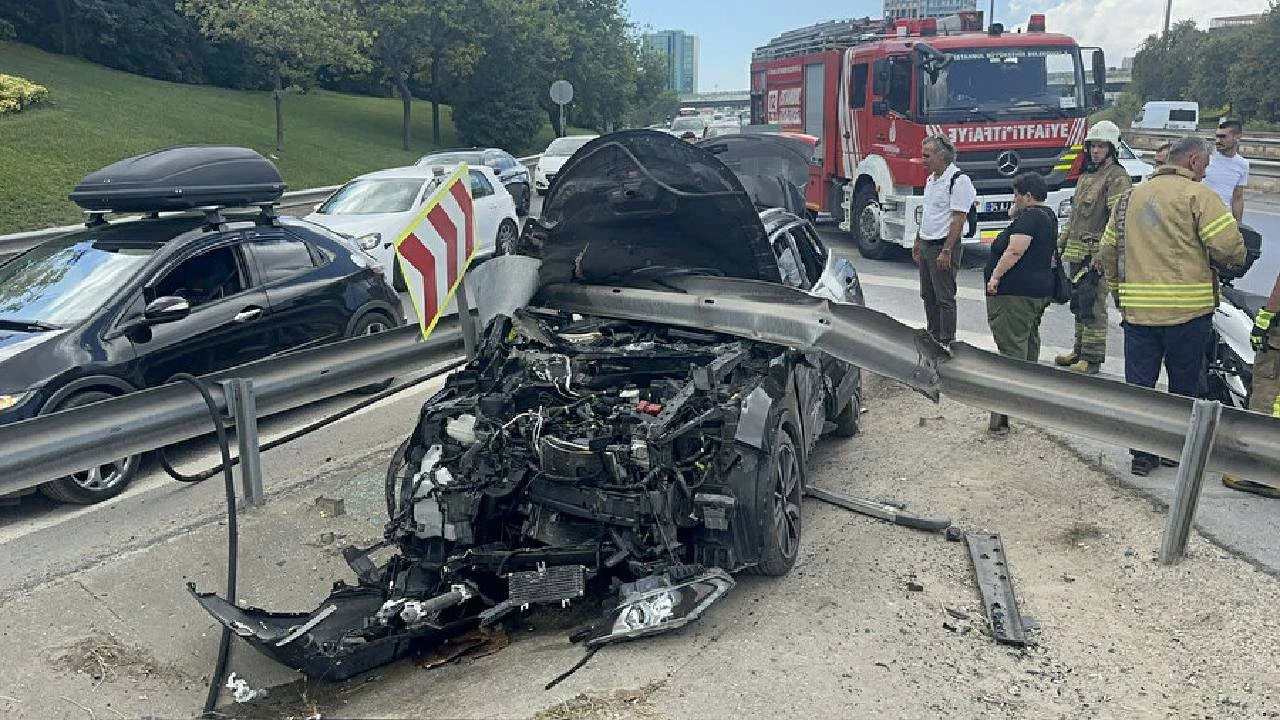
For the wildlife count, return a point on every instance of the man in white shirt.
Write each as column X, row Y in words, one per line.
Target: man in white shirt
column 937, row 249
column 1228, row 170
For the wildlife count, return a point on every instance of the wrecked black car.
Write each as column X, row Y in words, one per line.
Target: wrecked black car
column 576, row 452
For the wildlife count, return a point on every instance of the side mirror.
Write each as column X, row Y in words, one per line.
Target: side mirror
column 166, row 309
column 1099, row 69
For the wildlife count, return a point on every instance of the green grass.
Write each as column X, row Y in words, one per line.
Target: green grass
column 96, row 116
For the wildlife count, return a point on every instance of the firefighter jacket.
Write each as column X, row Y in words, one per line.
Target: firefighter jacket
column 1157, row 248
column 1096, row 194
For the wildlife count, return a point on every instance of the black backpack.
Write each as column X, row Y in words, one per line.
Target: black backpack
column 973, row 209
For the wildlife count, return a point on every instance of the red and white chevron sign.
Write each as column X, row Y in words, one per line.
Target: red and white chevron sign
column 436, row 248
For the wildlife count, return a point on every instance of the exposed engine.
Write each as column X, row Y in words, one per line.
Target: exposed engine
column 570, row 452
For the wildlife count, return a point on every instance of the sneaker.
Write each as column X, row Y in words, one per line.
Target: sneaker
column 1142, row 466
column 1065, row 360
column 1084, row 367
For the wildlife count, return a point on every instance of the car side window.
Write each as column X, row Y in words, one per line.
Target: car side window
column 788, row 262
column 480, row 186
column 812, row 253
column 281, row 257
column 204, row 278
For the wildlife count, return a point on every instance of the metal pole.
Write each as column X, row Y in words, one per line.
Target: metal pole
column 1186, row 490
column 244, row 411
column 467, row 321
column 562, row 128
column 1168, row 9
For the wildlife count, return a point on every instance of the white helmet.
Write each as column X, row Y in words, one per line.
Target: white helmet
column 1105, row 131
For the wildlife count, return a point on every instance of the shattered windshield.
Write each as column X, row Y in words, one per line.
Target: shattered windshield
column 1021, row 82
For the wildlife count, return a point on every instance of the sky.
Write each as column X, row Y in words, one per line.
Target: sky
column 728, row 30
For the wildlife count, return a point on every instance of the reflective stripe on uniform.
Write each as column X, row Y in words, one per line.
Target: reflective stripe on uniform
column 1111, row 201
column 1217, row 226
column 1167, row 295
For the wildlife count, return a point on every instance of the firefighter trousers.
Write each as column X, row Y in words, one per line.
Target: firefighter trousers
column 1091, row 332
column 1265, row 396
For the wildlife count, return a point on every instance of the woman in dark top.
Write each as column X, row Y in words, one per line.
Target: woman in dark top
column 1019, row 275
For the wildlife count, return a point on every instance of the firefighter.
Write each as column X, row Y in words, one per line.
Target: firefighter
column 1103, row 182
column 1156, row 252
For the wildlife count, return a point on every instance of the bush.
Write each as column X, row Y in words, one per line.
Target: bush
column 7, row 31
column 16, row 94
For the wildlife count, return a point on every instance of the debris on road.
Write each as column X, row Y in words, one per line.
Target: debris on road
column 330, row 507
column 996, row 584
column 883, row 510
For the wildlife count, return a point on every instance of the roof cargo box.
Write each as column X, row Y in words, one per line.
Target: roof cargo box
column 181, row 178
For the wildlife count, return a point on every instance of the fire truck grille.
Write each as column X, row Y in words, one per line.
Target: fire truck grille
column 994, row 170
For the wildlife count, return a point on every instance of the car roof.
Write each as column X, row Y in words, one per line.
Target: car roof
column 417, row 172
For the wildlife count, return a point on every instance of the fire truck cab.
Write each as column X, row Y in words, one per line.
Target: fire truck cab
column 871, row 93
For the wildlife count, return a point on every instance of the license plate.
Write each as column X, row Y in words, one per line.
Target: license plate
column 997, row 206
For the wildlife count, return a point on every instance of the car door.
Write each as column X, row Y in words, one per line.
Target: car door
column 305, row 290
column 228, row 321
column 487, row 210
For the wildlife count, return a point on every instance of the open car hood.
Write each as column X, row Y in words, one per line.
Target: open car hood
column 611, row 215
column 774, row 169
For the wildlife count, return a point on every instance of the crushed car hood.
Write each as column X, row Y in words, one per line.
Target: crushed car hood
column 774, row 169
column 611, row 216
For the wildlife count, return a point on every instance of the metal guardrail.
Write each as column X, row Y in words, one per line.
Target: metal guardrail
column 55, row 445
column 20, row 242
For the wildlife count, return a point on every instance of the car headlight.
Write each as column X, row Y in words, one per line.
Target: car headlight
column 369, row 241
column 658, row 603
column 8, row 401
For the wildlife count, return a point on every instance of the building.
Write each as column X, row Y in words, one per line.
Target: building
column 894, row 9
column 1235, row 21
column 681, row 51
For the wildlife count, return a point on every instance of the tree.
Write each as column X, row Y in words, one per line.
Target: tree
column 1254, row 79
column 1213, row 77
column 291, row 38
column 500, row 106
column 600, row 62
column 1152, row 79
column 412, row 35
column 653, row 102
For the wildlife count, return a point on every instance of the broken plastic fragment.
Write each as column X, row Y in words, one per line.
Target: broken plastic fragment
column 462, row 429
column 241, row 690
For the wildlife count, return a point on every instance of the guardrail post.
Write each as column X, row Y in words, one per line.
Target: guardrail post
column 467, row 321
column 1186, row 490
column 244, row 411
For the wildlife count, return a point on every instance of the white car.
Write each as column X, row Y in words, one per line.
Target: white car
column 554, row 158
column 1137, row 168
column 375, row 208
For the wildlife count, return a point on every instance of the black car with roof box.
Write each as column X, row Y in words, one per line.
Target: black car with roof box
column 124, row 305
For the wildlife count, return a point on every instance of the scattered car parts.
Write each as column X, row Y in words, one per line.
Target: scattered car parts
column 996, row 584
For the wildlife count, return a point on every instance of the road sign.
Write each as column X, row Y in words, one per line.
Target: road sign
column 436, row 248
column 561, row 92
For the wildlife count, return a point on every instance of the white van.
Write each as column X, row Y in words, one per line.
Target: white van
column 1168, row 115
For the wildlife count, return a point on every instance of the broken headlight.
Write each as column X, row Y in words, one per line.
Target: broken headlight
column 659, row 603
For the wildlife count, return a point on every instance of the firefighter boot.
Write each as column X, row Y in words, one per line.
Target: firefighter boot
column 1084, row 367
column 1070, row 358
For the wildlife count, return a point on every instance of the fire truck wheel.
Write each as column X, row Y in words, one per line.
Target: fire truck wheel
column 864, row 222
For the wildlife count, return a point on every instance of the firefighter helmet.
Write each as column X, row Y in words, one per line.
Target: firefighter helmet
column 1104, row 131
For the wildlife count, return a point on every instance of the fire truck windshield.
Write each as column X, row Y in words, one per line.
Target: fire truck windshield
column 985, row 83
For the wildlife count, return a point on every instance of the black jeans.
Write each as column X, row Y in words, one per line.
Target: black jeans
column 1181, row 348
column 938, row 290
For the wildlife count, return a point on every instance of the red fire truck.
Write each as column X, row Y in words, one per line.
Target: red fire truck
column 871, row 92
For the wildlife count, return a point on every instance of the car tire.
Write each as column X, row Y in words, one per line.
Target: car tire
column 505, row 242
column 101, row 483
column 779, row 495
column 864, row 224
column 370, row 324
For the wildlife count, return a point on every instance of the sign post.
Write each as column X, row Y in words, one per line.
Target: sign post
column 561, row 94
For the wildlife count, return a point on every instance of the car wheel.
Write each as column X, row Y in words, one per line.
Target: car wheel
column 780, row 495
column 864, row 223
column 370, row 324
column 97, row 484
column 505, row 243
